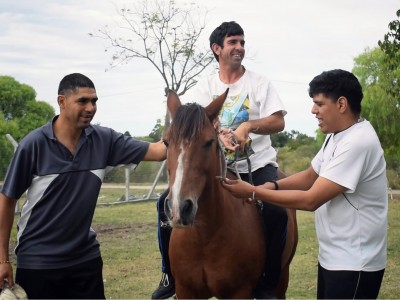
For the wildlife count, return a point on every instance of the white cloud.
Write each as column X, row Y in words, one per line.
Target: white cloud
column 288, row 41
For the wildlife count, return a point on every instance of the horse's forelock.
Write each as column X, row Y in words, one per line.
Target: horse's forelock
column 187, row 123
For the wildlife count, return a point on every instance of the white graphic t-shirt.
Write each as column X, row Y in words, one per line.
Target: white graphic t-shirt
column 251, row 97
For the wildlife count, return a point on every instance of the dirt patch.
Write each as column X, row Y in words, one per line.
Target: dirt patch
column 124, row 229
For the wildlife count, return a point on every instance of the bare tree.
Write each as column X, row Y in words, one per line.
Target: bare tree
column 166, row 35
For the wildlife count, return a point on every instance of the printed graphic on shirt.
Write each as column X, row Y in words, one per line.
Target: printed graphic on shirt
column 235, row 111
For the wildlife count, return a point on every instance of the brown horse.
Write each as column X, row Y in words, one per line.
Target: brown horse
column 217, row 246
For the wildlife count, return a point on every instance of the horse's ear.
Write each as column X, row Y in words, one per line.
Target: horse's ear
column 173, row 103
column 215, row 106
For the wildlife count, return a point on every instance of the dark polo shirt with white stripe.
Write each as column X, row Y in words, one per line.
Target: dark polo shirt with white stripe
column 54, row 230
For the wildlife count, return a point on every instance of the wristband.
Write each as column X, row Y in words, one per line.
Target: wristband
column 275, row 184
column 253, row 195
column 5, row 262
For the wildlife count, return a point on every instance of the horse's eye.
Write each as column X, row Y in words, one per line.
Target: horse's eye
column 165, row 142
column 208, row 143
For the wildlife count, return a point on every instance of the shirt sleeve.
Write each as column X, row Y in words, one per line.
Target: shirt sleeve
column 273, row 102
column 126, row 150
column 20, row 172
column 344, row 164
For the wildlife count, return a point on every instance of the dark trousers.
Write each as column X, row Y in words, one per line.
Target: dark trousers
column 83, row 281
column 275, row 220
column 164, row 233
column 348, row 284
column 275, row 229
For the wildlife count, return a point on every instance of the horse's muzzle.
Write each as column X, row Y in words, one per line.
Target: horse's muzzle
column 181, row 216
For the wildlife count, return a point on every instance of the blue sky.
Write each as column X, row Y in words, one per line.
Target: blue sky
column 289, row 41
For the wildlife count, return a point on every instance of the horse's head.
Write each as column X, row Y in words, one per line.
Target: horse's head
column 192, row 156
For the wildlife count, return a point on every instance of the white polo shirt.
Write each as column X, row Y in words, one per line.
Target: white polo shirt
column 352, row 227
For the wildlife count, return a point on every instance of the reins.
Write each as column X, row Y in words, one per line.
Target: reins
column 222, row 166
column 232, row 166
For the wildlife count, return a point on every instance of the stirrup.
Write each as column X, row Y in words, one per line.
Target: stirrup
column 164, row 280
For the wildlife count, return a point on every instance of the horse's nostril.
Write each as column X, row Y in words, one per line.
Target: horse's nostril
column 187, row 212
column 187, row 208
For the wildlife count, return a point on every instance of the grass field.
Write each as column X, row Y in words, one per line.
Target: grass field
column 128, row 237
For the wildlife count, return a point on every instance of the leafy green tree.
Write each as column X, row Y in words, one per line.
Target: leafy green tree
column 6, row 148
column 292, row 139
column 295, row 150
column 391, row 47
column 299, row 139
column 157, row 132
column 295, row 160
column 20, row 113
column 280, row 139
column 320, row 138
column 37, row 113
column 380, row 107
column 379, row 72
column 14, row 97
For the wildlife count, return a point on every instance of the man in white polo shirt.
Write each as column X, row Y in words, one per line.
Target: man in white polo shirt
column 346, row 186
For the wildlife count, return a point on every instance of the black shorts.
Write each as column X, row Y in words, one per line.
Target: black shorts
column 83, row 281
column 348, row 284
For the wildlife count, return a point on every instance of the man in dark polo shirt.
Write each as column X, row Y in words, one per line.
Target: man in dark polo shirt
column 61, row 166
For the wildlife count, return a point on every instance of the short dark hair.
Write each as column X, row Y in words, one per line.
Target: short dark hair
column 73, row 81
column 226, row 29
column 336, row 83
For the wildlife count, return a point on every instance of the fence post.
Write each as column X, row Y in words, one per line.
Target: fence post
column 127, row 181
column 12, row 141
column 156, row 180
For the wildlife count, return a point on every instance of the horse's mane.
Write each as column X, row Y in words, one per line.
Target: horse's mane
column 188, row 122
